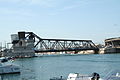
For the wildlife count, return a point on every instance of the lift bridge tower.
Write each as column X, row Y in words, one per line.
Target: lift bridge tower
column 26, row 44
column 22, row 45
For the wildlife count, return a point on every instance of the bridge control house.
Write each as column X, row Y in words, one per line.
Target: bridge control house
column 21, row 46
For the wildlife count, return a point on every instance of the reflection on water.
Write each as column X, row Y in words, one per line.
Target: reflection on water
column 43, row 68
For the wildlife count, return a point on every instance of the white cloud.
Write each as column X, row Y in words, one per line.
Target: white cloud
column 18, row 12
column 23, row 7
column 44, row 3
column 58, row 11
column 69, row 6
column 11, row 1
column 58, row 6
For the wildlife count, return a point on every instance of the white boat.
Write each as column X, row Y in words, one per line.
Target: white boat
column 6, row 68
column 114, row 75
column 77, row 76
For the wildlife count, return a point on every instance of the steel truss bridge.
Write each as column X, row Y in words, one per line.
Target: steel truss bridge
column 60, row 45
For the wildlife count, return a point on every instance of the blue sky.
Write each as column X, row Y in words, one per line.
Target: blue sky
column 70, row 19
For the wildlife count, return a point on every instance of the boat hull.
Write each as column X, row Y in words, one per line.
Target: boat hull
column 9, row 69
column 112, row 50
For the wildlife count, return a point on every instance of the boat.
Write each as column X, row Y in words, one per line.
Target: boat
column 8, row 68
column 78, row 76
column 113, row 75
column 112, row 45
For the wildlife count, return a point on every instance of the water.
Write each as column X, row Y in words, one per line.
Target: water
column 43, row 68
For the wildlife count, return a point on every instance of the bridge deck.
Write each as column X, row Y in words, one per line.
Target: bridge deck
column 38, row 51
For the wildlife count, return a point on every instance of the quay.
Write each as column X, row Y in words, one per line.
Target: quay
column 26, row 44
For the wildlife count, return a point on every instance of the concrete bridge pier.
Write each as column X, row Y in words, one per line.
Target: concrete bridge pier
column 96, row 51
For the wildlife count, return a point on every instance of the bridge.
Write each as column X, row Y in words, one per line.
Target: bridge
column 60, row 45
column 26, row 44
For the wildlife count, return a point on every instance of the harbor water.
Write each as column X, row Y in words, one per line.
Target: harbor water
column 48, row 66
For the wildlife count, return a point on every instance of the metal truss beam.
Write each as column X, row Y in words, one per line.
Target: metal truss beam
column 57, row 45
